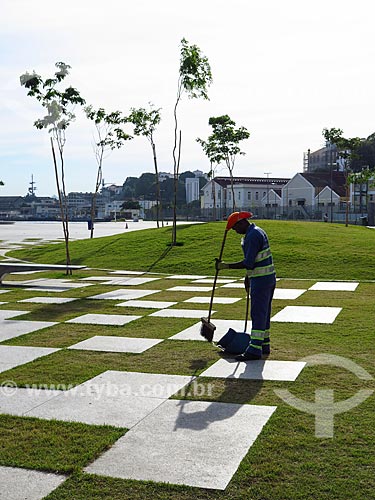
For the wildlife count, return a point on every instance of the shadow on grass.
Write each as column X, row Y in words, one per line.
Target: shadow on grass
column 161, row 257
column 201, row 419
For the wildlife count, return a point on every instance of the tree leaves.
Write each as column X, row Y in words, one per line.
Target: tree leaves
column 195, row 71
column 56, row 102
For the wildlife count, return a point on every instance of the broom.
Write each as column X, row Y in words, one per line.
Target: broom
column 208, row 328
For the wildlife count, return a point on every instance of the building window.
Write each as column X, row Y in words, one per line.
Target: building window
column 256, row 195
column 290, row 203
column 239, row 195
column 264, row 194
column 229, row 195
column 249, row 195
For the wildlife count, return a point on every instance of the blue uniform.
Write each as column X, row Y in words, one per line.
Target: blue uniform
column 260, row 270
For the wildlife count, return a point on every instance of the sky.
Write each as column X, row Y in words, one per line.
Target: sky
column 284, row 70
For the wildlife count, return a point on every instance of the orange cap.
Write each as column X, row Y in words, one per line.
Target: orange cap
column 235, row 217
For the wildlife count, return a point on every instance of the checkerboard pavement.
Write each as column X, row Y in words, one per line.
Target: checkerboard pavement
column 164, row 297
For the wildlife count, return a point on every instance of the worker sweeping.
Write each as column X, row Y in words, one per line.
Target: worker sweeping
column 260, row 277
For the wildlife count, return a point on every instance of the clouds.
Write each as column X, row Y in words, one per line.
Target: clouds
column 284, row 70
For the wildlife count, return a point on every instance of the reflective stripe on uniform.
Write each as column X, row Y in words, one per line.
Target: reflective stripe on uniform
column 258, row 334
column 263, row 255
column 261, row 271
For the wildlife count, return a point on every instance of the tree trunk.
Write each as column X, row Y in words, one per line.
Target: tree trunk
column 63, row 206
column 158, row 196
column 175, row 166
column 175, row 185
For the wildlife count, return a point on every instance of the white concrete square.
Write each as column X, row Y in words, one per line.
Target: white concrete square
column 307, row 314
column 222, row 326
column 335, row 286
column 234, row 285
column 146, row 385
column 126, row 272
column 288, row 293
column 95, row 278
column 194, row 443
column 107, row 409
column 104, row 319
column 217, row 300
column 17, row 484
column 4, row 291
column 114, row 398
column 190, row 289
column 53, row 283
column 48, row 300
column 8, row 313
column 10, row 329
column 255, row 370
column 130, row 281
column 56, row 289
column 116, row 344
column 180, row 313
column 123, row 294
column 186, row 277
column 211, row 280
column 15, row 401
column 11, row 356
column 147, row 304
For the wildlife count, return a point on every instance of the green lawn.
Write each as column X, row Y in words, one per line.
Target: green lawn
column 300, row 249
column 287, row 461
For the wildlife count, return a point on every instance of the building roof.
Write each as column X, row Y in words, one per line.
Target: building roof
column 226, row 181
column 10, row 202
column 335, row 180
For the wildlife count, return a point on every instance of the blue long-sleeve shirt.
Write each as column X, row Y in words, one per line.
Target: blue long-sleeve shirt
column 254, row 241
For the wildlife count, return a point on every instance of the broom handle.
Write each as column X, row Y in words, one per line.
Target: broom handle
column 216, row 275
column 247, row 307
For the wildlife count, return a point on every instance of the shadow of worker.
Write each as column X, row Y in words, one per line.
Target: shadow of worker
column 240, row 387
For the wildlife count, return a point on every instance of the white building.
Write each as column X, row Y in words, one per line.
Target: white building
column 165, row 175
column 192, row 189
column 318, row 191
column 249, row 192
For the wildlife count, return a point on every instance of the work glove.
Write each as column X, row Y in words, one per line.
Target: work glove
column 247, row 283
column 220, row 265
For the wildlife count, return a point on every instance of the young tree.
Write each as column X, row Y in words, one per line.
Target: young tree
column 145, row 123
column 109, row 136
column 347, row 151
column 194, row 78
column 223, row 144
column 59, row 105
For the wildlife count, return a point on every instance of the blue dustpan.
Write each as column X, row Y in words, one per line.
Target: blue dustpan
column 234, row 342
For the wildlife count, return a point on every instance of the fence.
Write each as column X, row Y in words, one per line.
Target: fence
column 306, row 213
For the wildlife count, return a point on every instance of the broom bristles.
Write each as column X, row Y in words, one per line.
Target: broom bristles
column 207, row 329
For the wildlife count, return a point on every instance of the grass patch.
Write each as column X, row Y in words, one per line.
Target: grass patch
column 53, row 446
column 68, row 367
column 301, row 249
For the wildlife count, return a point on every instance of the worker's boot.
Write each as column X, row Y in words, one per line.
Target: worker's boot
column 254, row 349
